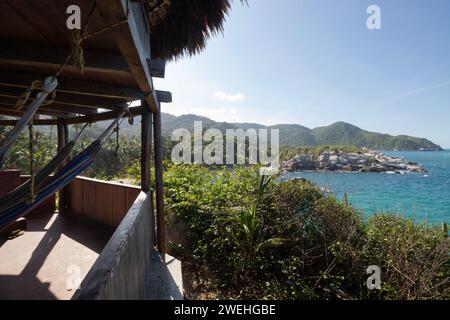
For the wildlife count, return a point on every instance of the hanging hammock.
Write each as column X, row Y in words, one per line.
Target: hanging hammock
column 23, row 190
column 57, row 182
column 49, row 85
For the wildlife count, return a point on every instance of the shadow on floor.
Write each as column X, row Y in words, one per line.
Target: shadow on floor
column 26, row 285
column 18, row 288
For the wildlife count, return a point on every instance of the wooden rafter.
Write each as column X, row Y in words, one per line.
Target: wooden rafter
column 92, row 118
column 54, row 109
column 70, row 100
column 7, row 110
column 135, row 111
column 133, row 40
column 86, row 88
column 32, row 55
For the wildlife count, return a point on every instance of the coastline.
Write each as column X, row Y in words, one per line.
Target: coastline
column 424, row 197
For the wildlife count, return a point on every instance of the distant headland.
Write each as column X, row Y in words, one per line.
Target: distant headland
column 345, row 159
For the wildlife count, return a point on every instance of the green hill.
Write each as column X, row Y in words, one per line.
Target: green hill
column 342, row 133
column 294, row 135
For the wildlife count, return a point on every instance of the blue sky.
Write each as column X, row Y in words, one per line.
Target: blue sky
column 315, row 62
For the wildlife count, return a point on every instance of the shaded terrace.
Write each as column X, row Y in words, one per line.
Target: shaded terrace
column 118, row 68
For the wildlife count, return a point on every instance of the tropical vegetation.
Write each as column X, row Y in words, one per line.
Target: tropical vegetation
column 250, row 237
column 245, row 236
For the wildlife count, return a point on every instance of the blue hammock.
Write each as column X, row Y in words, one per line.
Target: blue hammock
column 49, row 85
column 61, row 179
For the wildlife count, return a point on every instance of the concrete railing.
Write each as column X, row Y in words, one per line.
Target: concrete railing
column 102, row 201
column 122, row 268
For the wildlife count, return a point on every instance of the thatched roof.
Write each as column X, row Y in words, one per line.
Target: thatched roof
column 182, row 27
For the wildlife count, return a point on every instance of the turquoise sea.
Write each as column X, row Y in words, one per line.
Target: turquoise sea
column 425, row 197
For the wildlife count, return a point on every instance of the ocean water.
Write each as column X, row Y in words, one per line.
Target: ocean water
column 424, row 197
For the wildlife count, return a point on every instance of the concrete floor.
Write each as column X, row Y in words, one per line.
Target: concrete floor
column 51, row 257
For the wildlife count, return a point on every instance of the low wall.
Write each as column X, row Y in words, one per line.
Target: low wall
column 11, row 179
column 102, row 201
column 121, row 270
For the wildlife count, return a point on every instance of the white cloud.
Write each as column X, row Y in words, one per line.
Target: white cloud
column 216, row 114
column 424, row 89
column 229, row 97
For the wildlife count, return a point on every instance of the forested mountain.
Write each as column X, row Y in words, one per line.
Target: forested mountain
column 294, row 135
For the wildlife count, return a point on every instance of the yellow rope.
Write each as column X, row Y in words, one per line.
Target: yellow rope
column 77, row 54
column 35, row 85
column 104, row 29
column 78, row 36
column 48, row 102
column 26, row 94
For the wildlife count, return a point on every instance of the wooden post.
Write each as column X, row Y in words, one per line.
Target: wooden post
column 61, row 129
column 146, row 147
column 159, row 180
column 65, row 192
column 146, row 160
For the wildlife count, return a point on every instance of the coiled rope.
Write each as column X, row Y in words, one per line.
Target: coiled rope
column 76, row 56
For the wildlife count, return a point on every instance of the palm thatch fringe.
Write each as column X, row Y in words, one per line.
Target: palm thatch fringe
column 182, row 27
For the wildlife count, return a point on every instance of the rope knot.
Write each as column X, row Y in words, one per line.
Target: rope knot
column 77, row 54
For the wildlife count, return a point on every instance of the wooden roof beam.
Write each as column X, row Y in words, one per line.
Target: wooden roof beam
column 81, row 101
column 64, row 110
column 133, row 40
column 70, row 109
column 37, row 122
column 23, row 80
column 104, row 116
column 26, row 54
column 157, row 67
column 164, row 96
column 7, row 110
column 135, row 111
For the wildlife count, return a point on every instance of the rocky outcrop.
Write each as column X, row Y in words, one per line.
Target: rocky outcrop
column 367, row 161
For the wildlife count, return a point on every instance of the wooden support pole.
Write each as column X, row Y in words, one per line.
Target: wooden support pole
column 146, row 147
column 146, row 160
column 66, row 133
column 61, row 129
column 159, row 180
column 65, row 192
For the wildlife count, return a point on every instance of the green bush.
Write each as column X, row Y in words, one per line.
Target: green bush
column 257, row 238
column 324, row 238
column 414, row 258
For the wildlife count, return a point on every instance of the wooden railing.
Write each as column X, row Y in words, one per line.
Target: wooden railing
column 102, row 201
